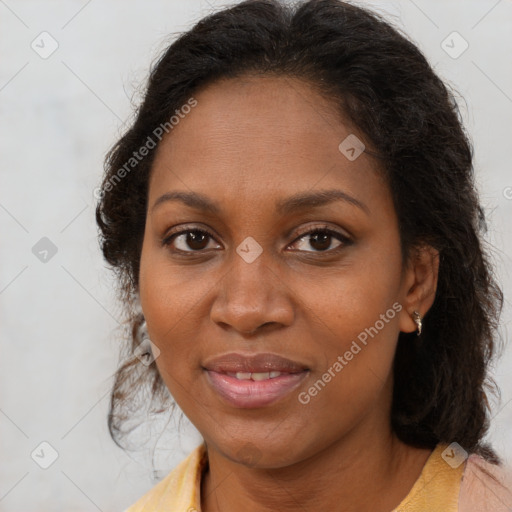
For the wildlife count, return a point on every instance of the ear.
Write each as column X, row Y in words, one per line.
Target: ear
column 419, row 285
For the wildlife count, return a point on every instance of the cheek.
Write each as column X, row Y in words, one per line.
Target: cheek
column 167, row 293
column 356, row 313
column 357, row 322
column 353, row 297
column 166, row 299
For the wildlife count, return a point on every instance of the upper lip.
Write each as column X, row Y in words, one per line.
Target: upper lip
column 253, row 363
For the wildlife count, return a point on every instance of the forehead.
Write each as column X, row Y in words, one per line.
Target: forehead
column 261, row 135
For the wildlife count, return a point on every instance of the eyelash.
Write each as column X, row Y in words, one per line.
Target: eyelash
column 345, row 240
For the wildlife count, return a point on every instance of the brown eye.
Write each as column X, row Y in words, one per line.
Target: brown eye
column 191, row 240
column 320, row 240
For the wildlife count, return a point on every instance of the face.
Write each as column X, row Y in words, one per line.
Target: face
column 265, row 270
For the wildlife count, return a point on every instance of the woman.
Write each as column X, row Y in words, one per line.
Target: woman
column 293, row 211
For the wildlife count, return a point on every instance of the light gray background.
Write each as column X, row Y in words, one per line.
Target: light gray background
column 58, row 117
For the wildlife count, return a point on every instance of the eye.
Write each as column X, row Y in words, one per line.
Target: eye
column 189, row 240
column 197, row 240
column 320, row 239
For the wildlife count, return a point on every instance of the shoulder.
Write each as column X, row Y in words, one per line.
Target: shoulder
column 485, row 487
column 179, row 490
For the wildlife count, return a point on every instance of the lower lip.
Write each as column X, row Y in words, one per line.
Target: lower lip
column 254, row 393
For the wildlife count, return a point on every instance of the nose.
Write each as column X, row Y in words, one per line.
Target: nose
column 253, row 297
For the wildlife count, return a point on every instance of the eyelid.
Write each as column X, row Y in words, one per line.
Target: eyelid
column 322, row 227
column 183, row 229
column 344, row 239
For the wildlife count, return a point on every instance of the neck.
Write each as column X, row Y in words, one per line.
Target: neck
column 360, row 472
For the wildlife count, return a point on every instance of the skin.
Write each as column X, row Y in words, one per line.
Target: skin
column 249, row 143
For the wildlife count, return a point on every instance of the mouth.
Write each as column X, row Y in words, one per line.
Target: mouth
column 253, row 381
column 255, row 375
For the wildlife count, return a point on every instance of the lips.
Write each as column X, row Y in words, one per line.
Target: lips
column 253, row 380
column 255, row 363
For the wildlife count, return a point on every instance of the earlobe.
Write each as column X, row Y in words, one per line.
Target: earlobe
column 419, row 287
column 411, row 321
column 417, row 320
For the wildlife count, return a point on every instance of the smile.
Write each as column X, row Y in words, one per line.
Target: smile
column 254, row 375
column 252, row 390
column 253, row 380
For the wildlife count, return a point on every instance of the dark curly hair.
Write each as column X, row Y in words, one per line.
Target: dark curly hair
column 378, row 79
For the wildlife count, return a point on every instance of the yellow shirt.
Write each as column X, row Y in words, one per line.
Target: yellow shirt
column 438, row 488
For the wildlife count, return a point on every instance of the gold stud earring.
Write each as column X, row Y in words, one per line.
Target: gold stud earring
column 417, row 320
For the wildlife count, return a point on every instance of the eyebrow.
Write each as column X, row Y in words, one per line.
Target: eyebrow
column 292, row 204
